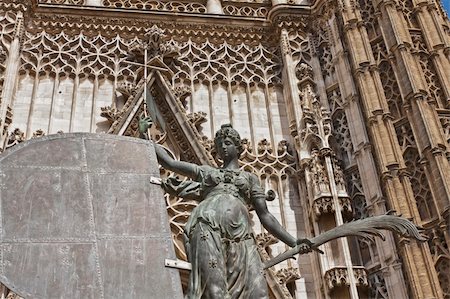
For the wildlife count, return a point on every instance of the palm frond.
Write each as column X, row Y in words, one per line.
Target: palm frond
column 366, row 228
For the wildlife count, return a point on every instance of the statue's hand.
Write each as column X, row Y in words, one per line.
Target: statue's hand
column 306, row 246
column 144, row 124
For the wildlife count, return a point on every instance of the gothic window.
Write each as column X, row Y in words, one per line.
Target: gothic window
column 377, row 286
column 227, row 63
column 359, row 207
column 405, row 135
column 433, row 84
column 300, row 47
column 354, row 185
column 84, row 69
column 419, row 184
column 440, row 252
column 247, row 77
column 341, row 131
column 7, row 26
column 390, row 86
column 322, row 48
column 391, row 89
column 367, row 251
column 179, row 210
column 434, row 87
column 369, row 18
column 88, row 69
column 438, row 245
column 326, row 59
column 445, row 122
column 407, row 7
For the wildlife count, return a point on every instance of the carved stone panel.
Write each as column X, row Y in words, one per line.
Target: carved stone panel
column 80, row 219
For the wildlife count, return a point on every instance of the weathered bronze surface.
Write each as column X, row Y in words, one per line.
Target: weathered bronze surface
column 219, row 238
column 218, row 235
column 80, row 219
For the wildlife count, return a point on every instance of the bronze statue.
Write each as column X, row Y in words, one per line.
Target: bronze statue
column 219, row 240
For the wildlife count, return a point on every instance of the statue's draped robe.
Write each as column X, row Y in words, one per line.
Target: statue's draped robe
column 219, row 239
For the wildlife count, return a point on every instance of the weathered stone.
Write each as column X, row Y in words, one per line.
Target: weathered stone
column 80, row 219
column 368, row 79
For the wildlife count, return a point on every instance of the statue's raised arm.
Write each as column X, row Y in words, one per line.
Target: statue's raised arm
column 180, row 167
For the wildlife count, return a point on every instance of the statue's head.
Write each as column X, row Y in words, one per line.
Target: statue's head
column 227, row 132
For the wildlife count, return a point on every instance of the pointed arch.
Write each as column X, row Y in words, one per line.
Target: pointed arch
column 178, row 127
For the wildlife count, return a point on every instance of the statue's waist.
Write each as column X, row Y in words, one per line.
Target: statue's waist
column 224, row 189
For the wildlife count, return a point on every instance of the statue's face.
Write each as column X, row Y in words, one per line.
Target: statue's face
column 227, row 149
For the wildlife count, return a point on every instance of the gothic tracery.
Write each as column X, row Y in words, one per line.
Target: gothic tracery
column 288, row 81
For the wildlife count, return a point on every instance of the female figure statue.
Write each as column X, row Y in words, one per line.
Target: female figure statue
column 219, row 239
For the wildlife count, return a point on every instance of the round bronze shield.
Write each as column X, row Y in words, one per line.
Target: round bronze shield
column 81, row 219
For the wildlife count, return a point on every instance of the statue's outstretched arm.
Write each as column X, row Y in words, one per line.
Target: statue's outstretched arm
column 271, row 223
column 180, row 167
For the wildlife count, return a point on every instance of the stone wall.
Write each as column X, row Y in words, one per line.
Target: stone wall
column 343, row 106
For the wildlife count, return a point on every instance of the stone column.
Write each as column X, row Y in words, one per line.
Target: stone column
column 299, row 113
column 340, row 221
column 437, row 40
column 328, row 197
column 290, row 90
column 10, row 81
column 422, row 115
column 393, row 275
column 397, row 185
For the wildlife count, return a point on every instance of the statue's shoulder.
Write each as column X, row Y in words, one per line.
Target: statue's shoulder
column 207, row 168
column 204, row 171
column 250, row 175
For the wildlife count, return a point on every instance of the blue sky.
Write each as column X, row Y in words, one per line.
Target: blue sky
column 446, row 4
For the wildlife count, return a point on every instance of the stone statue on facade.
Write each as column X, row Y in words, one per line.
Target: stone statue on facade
column 219, row 239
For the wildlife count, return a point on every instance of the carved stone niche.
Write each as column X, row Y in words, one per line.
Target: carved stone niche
column 287, row 275
column 346, row 207
column 325, row 205
column 264, row 240
column 338, row 277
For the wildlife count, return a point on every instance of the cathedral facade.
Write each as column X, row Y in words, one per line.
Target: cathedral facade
column 343, row 107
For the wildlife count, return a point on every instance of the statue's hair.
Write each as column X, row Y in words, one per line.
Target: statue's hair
column 225, row 131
